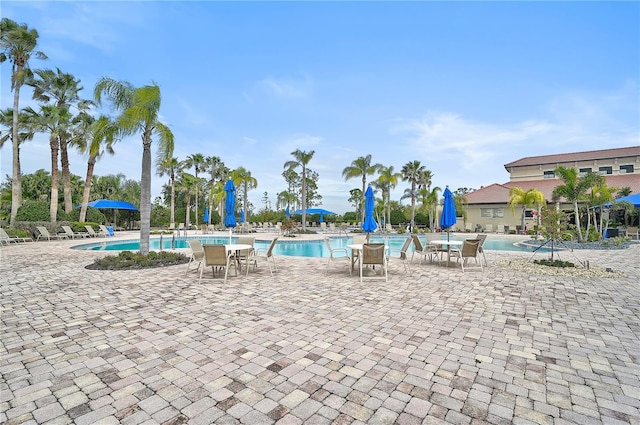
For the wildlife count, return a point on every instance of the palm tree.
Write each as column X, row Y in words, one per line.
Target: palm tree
column 170, row 166
column 100, row 135
column 215, row 167
column 186, row 186
column 63, row 91
column 139, row 109
column 573, row 190
column 530, row 198
column 387, row 180
column 361, row 167
column 414, row 173
column 26, row 130
column 243, row 178
column 301, row 160
column 17, row 44
column 56, row 122
column 197, row 161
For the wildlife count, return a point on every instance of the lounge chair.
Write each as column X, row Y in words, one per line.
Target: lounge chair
column 488, row 228
column 217, row 257
column 197, row 253
column 344, row 255
column 92, row 233
column 267, row 256
column 104, row 231
column 5, row 238
column 71, row 234
column 373, row 254
column 404, row 256
column 470, row 249
column 500, row 228
column 44, row 233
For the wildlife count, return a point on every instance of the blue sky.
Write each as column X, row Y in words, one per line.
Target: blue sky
column 462, row 87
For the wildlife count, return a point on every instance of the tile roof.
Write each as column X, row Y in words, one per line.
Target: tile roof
column 499, row 193
column 576, row 156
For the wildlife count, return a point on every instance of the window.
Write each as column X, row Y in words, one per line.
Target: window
column 492, row 212
column 626, row 169
column 584, row 171
column 605, row 170
column 549, row 175
column 528, row 214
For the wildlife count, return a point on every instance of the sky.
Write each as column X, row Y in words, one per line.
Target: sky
column 462, row 87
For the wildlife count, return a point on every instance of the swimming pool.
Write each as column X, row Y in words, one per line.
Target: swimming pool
column 289, row 247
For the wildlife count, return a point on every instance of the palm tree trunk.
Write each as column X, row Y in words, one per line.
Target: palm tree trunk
column 53, row 203
column 577, row 212
column 145, row 194
column 172, row 219
column 66, row 176
column 16, row 178
column 87, row 189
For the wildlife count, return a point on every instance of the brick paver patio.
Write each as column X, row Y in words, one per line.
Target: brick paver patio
column 156, row 347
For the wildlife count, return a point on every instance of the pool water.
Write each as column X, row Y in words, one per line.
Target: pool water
column 295, row 248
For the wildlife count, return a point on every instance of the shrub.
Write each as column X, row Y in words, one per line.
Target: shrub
column 128, row 260
column 554, row 263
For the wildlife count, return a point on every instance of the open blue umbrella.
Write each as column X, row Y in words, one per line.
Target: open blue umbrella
column 287, row 213
column 448, row 218
column 230, row 204
column 206, row 216
column 241, row 216
column 369, row 225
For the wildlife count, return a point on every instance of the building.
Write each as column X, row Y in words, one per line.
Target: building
column 488, row 207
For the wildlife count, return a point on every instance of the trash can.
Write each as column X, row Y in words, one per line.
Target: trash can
column 611, row 233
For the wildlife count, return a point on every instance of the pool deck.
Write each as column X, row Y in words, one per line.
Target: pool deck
column 156, row 347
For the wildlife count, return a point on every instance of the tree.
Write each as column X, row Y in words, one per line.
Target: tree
column 414, row 173
column 387, row 180
column 56, row 121
column 573, row 190
column 97, row 138
column 63, row 91
column 361, row 167
column 17, row 44
column 243, row 178
column 187, row 186
column 216, row 169
column 139, row 113
column 198, row 162
column 301, row 160
column 170, row 166
column 530, row 198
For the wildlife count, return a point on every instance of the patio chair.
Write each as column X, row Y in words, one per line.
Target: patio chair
column 71, row 234
column 217, row 257
column 197, row 253
column 423, row 251
column 358, row 239
column 632, row 232
column 470, row 249
column 5, row 238
column 44, row 233
column 245, row 254
column 482, row 238
column 266, row 256
column 373, row 254
column 333, row 256
column 403, row 255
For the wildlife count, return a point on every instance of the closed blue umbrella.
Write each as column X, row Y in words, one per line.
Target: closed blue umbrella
column 241, row 216
column 369, row 225
column 448, row 218
column 206, row 216
column 287, row 213
column 230, row 204
column 321, row 217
